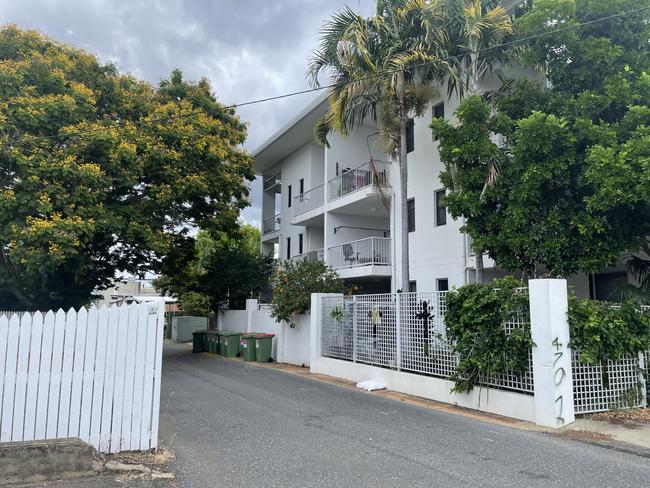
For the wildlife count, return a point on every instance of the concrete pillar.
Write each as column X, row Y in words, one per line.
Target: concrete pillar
column 552, row 374
column 316, row 316
column 251, row 308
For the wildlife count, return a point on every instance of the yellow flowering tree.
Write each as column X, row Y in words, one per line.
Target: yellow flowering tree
column 101, row 172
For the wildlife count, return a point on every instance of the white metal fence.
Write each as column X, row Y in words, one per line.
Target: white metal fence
column 93, row 374
column 270, row 225
column 316, row 255
column 401, row 331
column 371, row 250
column 309, row 200
column 371, row 173
column 406, row 332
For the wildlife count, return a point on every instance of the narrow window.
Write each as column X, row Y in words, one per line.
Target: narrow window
column 410, row 136
column 442, row 284
column 299, row 243
column 302, row 186
column 438, row 112
column 413, row 286
column 410, row 207
column 289, row 195
column 288, row 247
column 441, row 210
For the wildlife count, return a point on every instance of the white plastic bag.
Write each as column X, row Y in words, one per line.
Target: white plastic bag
column 371, row 385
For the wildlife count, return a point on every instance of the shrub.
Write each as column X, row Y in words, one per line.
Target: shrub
column 195, row 304
column 474, row 323
column 293, row 282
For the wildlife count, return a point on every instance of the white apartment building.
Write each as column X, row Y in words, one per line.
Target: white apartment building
column 327, row 203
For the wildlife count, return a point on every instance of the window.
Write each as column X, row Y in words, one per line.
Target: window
column 410, row 208
column 438, row 112
column 413, row 286
column 299, row 243
column 289, row 195
column 442, row 284
column 441, row 210
column 410, row 136
column 288, row 247
column 302, row 186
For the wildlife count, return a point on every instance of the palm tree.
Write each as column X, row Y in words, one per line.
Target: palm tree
column 383, row 68
column 476, row 30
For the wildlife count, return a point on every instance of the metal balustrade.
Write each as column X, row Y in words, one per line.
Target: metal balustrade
column 271, row 224
column 371, row 173
column 371, row 250
column 317, row 255
column 309, row 200
column 273, row 183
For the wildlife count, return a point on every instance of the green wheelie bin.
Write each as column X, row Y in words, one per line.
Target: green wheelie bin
column 230, row 344
column 248, row 346
column 199, row 341
column 264, row 348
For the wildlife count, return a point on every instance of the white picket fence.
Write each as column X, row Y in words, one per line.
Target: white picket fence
column 92, row 374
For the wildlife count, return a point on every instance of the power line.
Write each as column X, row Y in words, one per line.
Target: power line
column 356, row 80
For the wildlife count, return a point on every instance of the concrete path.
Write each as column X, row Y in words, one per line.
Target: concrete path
column 235, row 425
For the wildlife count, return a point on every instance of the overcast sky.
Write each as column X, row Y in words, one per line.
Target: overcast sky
column 247, row 48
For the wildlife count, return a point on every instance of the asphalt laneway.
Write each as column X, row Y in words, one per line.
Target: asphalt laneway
column 235, row 425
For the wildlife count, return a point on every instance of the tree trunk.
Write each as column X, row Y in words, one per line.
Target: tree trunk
column 403, row 174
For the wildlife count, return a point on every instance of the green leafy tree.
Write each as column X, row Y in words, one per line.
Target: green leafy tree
column 572, row 192
column 294, row 281
column 101, row 173
column 219, row 272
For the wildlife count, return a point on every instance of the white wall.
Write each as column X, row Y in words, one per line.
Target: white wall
column 290, row 345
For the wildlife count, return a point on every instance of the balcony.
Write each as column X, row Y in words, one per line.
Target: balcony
column 366, row 257
column 360, row 190
column 308, row 206
column 271, row 228
column 317, row 255
column 273, row 184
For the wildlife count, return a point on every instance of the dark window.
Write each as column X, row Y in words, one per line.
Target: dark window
column 442, row 284
column 410, row 136
column 302, row 186
column 441, row 210
column 299, row 243
column 410, row 208
column 288, row 247
column 438, row 112
column 413, row 286
column 289, row 195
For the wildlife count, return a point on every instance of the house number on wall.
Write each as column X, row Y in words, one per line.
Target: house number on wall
column 559, row 375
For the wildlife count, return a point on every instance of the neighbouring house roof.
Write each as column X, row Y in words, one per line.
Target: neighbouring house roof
column 292, row 136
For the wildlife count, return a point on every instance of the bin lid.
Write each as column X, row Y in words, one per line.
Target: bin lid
column 228, row 333
column 200, row 331
column 261, row 336
column 248, row 335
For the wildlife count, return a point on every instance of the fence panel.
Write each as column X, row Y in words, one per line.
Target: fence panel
column 94, row 374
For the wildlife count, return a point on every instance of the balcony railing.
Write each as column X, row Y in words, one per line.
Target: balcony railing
column 272, row 183
column 317, row 255
column 371, row 173
column 372, row 250
column 309, row 200
column 271, row 225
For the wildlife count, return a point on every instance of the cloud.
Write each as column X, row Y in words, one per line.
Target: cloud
column 248, row 49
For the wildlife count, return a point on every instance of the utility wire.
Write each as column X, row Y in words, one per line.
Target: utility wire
column 356, row 80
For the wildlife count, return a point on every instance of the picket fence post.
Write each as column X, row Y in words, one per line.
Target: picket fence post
column 552, row 370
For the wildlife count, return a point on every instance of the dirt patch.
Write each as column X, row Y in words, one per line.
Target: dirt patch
column 585, row 435
column 628, row 416
column 149, row 465
column 157, row 459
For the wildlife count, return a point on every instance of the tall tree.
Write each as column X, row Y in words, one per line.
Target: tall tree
column 383, row 68
column 101, row 173
column 573, row 192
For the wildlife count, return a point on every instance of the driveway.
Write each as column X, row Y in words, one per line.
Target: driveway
column 235, row 425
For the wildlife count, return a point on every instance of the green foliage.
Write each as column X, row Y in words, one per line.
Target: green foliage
column 603, row 332
column 227, row 269
column 474, row 323
column 101, row 173
column 195, row 304
column 569, row 189
column 293, row 282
